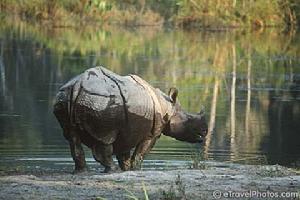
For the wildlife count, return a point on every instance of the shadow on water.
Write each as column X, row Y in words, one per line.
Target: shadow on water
column 249, row 83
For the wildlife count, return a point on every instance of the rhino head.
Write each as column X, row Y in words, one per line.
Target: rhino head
column 185, row 126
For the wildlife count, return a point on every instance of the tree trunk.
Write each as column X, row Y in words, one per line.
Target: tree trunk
column 232, row 101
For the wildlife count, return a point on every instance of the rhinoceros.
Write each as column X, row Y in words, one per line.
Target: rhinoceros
column 113, row 114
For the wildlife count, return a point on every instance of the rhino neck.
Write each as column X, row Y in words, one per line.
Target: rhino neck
column 167, row 131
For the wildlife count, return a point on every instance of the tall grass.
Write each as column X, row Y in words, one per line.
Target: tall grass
column 88, row 10
column 200, row 13
column 55, row 9
column 209, row 13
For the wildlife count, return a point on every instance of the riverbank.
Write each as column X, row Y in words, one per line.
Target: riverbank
column 221, row 14
column 154, row 184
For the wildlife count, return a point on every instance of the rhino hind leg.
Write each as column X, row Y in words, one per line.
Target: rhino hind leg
column 103, row 153
column 77, row 153
column 124, row 160
column 140, row 150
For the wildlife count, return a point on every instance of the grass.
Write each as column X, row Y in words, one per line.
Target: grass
column 197, row 159
column 236, row 13
column 169, row 194
column 131, row 195
column 183, row 13
column 175, row 193
column 73, row 12
column 100, row 198
column 273, row 171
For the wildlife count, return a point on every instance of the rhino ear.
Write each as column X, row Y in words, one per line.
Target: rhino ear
column 173, row 93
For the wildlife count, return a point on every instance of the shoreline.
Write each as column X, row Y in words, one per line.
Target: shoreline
column 75, row 23
column 154, row 184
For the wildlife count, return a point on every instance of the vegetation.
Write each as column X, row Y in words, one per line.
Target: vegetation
column 132, row 196
column 234, row 13
column 185, row 13
column 272, row 171
column 175, row 193
column 198, row 160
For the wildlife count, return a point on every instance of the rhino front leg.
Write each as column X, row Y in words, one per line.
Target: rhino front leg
column 141, row 149
column 103, row 154
column 77, row 153
column 124, row 160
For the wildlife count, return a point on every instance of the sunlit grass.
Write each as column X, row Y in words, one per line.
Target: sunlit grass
column 200, row 13
column 224, row 13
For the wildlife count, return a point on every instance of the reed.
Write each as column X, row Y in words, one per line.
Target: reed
column 184, row 13
column 236, row 13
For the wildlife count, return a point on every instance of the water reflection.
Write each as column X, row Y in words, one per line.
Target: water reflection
column 248, row 82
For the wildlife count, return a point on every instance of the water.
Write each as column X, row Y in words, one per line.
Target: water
column 249, row 84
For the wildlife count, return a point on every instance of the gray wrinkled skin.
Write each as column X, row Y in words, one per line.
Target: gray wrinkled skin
column 113, row 114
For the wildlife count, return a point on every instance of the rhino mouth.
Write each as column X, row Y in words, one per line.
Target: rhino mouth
column 195, row 139
column 203, row 133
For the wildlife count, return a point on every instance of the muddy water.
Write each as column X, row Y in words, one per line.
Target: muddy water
column 248, row 82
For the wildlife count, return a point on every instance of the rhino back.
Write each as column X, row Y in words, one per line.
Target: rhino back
column 109, row 108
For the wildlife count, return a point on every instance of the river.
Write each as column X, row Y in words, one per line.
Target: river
column 248, row 82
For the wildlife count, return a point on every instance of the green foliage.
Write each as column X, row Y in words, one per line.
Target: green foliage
column 99, row 5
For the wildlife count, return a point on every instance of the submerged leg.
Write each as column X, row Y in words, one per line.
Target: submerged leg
column 77, row 153
column 124, row 160
column 103, row 154
column 139, row 152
